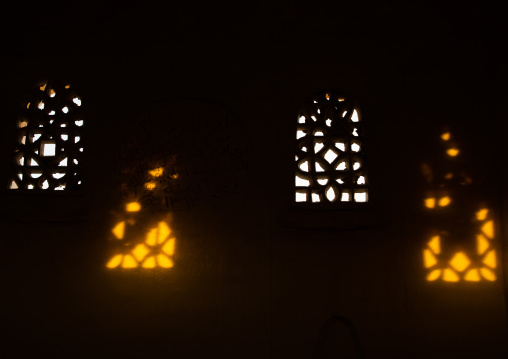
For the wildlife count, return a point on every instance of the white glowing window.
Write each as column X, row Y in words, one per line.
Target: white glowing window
column 49, row 145
column 48, row 148
column 335, row 170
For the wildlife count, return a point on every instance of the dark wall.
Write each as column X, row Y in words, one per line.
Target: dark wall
column 254, row 275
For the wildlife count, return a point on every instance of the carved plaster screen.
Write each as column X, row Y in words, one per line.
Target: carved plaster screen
column 48, row 146
column 330, row 157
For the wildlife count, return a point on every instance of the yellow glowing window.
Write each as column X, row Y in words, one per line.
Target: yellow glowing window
column 330, row 165
column 44, row 149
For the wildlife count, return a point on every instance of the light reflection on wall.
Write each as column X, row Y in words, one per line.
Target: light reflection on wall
column 155, row 249
column 460, row 265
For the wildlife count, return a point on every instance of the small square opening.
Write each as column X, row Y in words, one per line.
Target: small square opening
column 48, row 148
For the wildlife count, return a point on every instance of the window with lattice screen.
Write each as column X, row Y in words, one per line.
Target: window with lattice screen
column 48, row 150
column 330, row 152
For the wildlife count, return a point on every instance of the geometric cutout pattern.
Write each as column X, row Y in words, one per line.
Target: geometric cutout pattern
column 150, row 250
column 473, row 263
column 48, row 150
column 330, row 157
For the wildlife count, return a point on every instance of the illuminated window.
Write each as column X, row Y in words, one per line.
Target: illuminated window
column 330, row 155
column 49, row 148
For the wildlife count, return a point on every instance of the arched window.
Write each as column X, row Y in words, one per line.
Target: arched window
column 330, row 153
column 48, row 149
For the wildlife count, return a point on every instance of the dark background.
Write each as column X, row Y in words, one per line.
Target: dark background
column 256, row 276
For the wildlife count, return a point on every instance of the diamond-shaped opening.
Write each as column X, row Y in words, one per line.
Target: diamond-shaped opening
column 330, row 155
column 48, row 148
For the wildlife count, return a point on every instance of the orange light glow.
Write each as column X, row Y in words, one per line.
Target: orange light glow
column 488, row 274
column 435, row 244
column 429, row 259
column 115, row 261
column 129, row 262
column 327, row 96
column 140, row 252
column 164, row 261
column 488, row 229
column 490, row 259
column 133, row 207
column 435, row 274
column 150, row 185
column 452, row 152
column 23, row 124
column 119, row 230
column 472, row 275
column 149, row 263
column 169, row 247
column 430, row 202
column 449, row 275
column 444, row 201
column 448, row 176
column 482, row 244
column 157, row 172
column 43, row 87
column 445, row 136
column 482, row 214
column 51, row 93
column 460, row 262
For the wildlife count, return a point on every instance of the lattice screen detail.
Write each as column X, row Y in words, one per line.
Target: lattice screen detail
column 48, row 144
column 330, row 157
